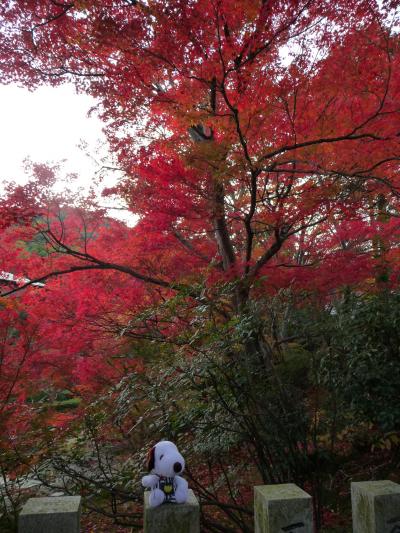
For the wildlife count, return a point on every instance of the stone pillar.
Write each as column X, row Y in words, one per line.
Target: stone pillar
column 282, row 509
column 172, row 517
column 375, row 507
column 51, row 515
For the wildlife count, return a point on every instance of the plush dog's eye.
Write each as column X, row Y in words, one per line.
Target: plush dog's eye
column 161, row 456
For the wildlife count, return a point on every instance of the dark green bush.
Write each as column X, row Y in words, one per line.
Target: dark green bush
column 362, row 359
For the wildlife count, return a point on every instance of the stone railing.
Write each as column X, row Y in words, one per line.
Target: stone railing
column 176, row 518
column 53, row 514
column 277, row 509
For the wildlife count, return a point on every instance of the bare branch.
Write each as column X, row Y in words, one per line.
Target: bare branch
column 99, row 266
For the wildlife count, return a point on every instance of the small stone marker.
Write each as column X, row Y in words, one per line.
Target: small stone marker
column 282, row 509
column 51, row 515
column 172, row 517
column 375, row 507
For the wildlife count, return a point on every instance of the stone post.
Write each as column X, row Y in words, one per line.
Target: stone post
column 375, row 507
column 282, row 509
column 172, row 517
column 51, row 515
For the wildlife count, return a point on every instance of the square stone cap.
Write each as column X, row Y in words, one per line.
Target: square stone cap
column 51, row 505
column 287, row 491
column 191, row 502
column 376, row 488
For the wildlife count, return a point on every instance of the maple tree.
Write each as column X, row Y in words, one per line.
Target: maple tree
column 260, row 148
column 283, row 154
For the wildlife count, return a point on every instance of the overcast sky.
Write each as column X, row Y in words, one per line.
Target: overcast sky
column 46, row 125
column 49, row 125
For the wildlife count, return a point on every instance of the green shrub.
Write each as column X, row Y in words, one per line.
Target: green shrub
column 362, row 360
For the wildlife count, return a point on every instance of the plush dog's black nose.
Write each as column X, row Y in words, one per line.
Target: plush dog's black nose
column 177, row 467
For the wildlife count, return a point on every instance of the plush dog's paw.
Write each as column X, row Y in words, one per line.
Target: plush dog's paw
column 150, row 481
column 156, row 497
column 181, row 490
column 181, row 497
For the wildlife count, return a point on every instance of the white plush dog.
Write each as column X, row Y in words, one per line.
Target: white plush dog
column 164, row 463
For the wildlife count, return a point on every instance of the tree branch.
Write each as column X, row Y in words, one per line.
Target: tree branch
column 98, row 266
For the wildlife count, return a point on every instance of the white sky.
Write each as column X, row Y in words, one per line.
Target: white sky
column 46, row 125
column 49, row 125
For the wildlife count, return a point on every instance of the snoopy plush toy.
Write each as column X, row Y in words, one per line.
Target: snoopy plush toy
column 164, row 463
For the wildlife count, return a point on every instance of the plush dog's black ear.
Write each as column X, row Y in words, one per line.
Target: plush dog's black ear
column 151, row 459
